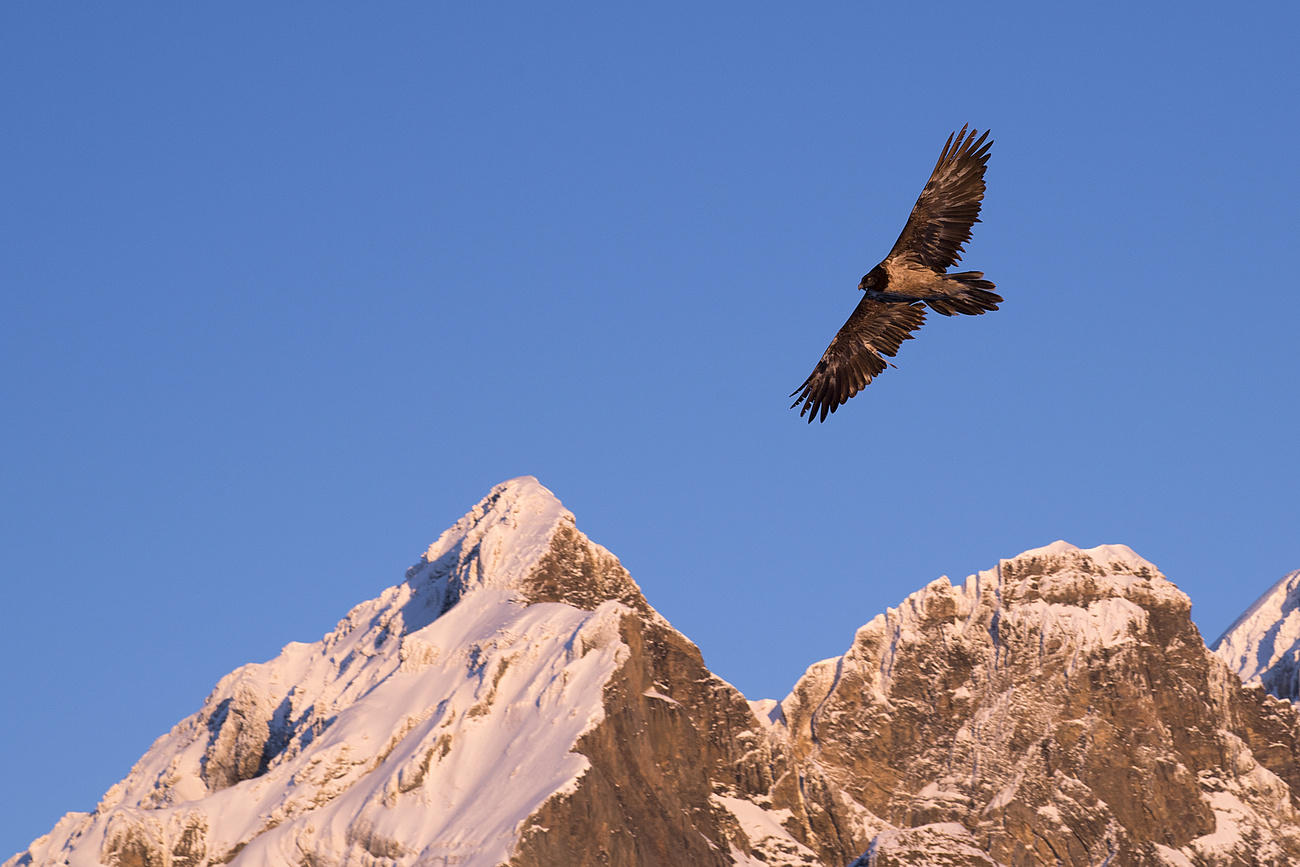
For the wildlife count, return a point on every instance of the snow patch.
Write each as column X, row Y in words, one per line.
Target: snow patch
column 1121, row 556
column 654, row 693
column 769, row 712
column 764, row 828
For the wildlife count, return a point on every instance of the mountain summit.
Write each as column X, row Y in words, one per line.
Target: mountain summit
column 516, row 700
column 425, row 728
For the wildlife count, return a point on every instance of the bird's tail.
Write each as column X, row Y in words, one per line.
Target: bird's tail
column 965, row 292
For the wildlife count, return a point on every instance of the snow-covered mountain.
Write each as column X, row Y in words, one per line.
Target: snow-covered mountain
column 341, row 750
column 517, row 701
column 1263, row 644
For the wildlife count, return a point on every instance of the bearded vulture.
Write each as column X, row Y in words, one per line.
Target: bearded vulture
column 912, row 277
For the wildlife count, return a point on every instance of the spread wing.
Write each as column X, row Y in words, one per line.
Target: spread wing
column 875, row 329
column 942, row 217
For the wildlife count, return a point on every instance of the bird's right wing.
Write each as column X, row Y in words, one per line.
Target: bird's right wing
column 875, row 329
column 949, row 206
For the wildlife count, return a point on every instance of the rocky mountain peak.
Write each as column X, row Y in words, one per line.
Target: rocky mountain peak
column 497, row 542
column 521, row 541
column 426, row 727
column 1263, row 645
column 1061, row 572
column 1058, row 708
column 1068, row 595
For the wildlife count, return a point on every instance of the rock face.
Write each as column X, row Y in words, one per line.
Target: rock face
column 1060, row 708
column 516, row 700
column 1263, row 645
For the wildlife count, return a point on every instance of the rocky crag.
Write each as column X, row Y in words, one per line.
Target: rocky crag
column 516, row 700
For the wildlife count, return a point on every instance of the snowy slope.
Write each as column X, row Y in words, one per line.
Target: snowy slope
column 417, row 731
column 1263, row 644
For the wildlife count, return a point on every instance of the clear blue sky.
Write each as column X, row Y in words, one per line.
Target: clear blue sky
column 285, row 288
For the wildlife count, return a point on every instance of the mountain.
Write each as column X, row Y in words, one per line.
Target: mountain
column 1263, row 645
column 1060, row 708
column 516, row 700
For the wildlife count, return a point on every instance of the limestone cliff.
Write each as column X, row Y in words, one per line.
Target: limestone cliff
column 1060, row 708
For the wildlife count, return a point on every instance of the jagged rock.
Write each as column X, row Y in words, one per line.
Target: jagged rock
column 673, row 736
column 517, row 700
column 168, row 840
column 241, row 735
column 1062, row 708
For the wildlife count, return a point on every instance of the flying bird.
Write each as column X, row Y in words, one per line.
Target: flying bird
column 912, row 277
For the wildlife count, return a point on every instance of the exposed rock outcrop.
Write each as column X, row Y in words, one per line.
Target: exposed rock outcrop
column 1061, row 708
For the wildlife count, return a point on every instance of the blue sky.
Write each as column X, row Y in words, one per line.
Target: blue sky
column 287, row 289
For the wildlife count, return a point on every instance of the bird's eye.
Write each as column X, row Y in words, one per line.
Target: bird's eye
column 869, row 279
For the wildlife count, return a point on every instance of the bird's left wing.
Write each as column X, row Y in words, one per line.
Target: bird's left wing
column 873, row 330
column 949, row 206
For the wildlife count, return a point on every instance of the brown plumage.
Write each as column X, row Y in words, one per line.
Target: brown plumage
column 911, row 277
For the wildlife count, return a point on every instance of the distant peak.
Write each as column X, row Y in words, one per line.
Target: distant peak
column 1278, row 600
column 1263, row 644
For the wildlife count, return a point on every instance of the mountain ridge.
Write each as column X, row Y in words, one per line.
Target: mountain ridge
column 516, row 699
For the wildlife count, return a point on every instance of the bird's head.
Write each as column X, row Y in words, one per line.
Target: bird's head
column 874, row 279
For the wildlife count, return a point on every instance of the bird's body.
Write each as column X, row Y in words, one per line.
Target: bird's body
column 912, row 277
